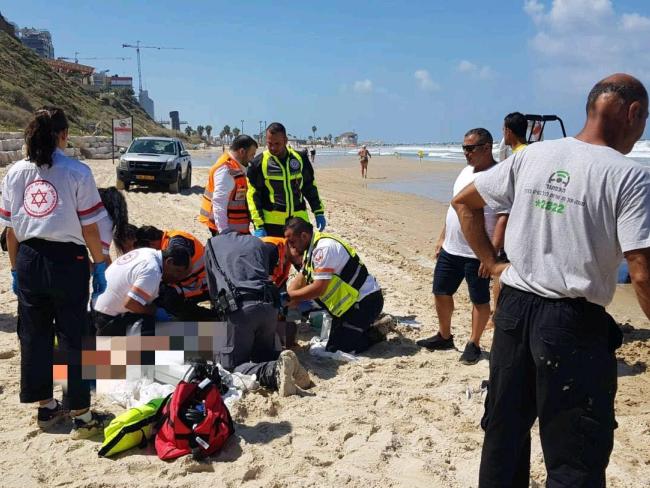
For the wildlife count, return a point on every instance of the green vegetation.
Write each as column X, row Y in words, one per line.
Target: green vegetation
column 27, row 83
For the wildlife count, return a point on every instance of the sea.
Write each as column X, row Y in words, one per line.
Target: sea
column 438, row 186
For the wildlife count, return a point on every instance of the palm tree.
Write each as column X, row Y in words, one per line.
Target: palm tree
column 329, row 138
column 199, row 130
column 226, row 130
column 236, row 132
column 188, row 131
column 208, row 130
column 314, row 129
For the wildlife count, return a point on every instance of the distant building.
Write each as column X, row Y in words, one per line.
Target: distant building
column 38, row 40
column 79, row 72
column 348, row 139
column 146, row 103
column 175, row 119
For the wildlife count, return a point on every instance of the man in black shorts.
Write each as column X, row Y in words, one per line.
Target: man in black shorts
column 456, row 260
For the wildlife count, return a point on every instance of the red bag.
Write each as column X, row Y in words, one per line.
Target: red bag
column 179, row 436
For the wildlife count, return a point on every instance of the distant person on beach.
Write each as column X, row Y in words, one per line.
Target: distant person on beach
column 364, row 157
column 51, row 206
column 334, row 275
column 577, row 206
column 456, row 260
column 312, row 155
column 223, row 205
column 280, row 183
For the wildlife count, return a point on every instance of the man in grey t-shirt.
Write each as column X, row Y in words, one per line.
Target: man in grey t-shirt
column 577, row 205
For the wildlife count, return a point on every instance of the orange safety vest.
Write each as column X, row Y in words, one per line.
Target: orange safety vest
column 195, row 284
column 237, row 211
column 282, row 269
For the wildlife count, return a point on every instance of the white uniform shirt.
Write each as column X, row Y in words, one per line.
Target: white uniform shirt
column 224, row 184
column 329, row 258
column 135, row 275
column 50, row 203
column 105, row 226
column 455, row 242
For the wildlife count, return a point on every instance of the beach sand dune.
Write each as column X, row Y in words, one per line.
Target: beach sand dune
column 400, row 417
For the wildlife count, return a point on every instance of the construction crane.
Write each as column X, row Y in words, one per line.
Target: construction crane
column 77, row 58
column 137, row 48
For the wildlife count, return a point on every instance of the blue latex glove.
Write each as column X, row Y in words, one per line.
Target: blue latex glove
column 261, row 232
column 14, row 281
column 284, row 299
column 321, row 222
column 305, row 306
column 99, row 278
column 162, row 315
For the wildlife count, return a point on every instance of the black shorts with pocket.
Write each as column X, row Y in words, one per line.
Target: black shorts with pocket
column 450, row 271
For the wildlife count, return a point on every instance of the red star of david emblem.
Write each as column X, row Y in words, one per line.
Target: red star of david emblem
column 39, row 198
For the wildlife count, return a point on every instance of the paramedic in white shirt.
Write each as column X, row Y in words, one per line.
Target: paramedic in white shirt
column 133, row 285
column 51, row 207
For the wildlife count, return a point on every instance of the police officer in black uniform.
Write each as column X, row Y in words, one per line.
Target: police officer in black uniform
column 50, row 205
column 239, row 268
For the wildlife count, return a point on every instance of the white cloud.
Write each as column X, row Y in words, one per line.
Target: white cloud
column 362, row 86
column 476, row 71
column 579, row 42
column 424, row 81
column 635, row 22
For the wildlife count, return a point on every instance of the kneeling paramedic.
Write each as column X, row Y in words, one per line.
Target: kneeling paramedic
column 127, row 306
column 180, row 298
column 238, row 269
column 335, row 277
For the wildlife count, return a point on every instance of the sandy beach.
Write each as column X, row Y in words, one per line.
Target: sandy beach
column 400, row 417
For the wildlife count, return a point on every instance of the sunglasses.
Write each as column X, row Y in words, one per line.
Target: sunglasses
column 472, row 147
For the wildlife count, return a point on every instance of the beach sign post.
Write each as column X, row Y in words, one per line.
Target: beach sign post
column 122, row 130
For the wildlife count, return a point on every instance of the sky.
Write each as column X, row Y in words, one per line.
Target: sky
column 399, row 72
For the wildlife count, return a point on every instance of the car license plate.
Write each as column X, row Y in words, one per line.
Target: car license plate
column 145, row 177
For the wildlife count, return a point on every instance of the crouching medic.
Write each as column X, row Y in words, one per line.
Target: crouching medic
column 334, row 275
column 239, row 268
column 133, row 283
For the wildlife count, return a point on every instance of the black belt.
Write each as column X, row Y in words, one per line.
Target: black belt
column 252, row 297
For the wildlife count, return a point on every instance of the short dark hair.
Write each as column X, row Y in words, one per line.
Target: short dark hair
column 484, row 135
column 627, row 91
column 179, row 255
column 276, row 128
column 242, row 141
column 517, row 123
column 146, row 234
column 298, row 226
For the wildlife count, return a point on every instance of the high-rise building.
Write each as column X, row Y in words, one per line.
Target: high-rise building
column 175, row 119
column 146, row 103
column 37, row 40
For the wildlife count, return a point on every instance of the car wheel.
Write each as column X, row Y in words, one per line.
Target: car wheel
column 176, row 186
column 187, row 182
column 121, row 185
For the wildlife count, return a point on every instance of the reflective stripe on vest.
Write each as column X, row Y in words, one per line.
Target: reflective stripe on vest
column 195, row 283
column 343, row 289
column 283, row 267
column 284, row 183
column 237, row 209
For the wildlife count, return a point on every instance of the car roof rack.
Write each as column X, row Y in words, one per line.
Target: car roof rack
column 540, row 121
